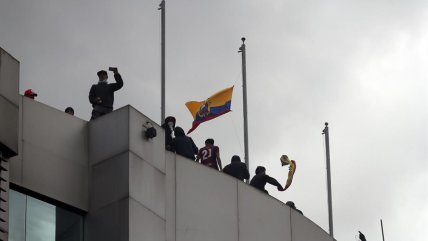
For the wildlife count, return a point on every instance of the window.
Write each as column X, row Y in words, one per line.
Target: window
column 31, row 219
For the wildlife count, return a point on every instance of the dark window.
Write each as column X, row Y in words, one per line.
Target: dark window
column 31, row 219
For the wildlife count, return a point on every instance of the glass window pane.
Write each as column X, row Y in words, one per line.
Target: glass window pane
column 40, row 220
column 33, row 220
column 16, row 216
column 69, row 226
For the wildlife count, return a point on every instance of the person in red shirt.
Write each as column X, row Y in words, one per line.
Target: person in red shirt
column 210, row 155
column 30, row 94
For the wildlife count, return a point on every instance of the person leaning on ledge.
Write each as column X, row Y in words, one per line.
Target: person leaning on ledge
column 101, row 94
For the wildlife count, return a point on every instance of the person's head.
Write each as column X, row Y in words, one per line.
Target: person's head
column 260, row 170
column 69, row 110
column 236, row 158
column 290, row 204
column 30, row 93
column 178, row 131
column 102, row 75
column 170, row 121
column 209, row 142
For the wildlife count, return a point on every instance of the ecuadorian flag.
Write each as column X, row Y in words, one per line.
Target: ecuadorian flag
column 216, row 105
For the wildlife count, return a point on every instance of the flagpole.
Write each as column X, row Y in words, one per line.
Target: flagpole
column 162, row 8
column 244, row 87
column 327, row 153
column 381, row 226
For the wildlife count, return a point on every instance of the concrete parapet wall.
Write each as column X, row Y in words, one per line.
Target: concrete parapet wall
column 212, row 206
column 53, row 154
column 9, row 103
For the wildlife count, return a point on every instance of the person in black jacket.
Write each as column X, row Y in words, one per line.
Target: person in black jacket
column 237, row 169
column 101, row 94
column 169, row 126
column 184, row 145
column 361, row 236
column 260, row 179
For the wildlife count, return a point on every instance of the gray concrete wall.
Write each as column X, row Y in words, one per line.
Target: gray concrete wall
column 127, row 179
column 53, row 154
column 211, row 206
column 9, row 103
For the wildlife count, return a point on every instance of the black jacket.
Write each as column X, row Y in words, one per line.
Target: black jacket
column 168, row 132
column 105, row 92
column 238, row 170
column 259, row 181
column 184, row 145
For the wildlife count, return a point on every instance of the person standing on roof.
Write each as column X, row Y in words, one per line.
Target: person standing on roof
column 101, row 95
column 210, row 155
column 237, row 169
column 169, row 126
column 361, row 236
column 260, row 179
column 184, row 145
column 30, row 94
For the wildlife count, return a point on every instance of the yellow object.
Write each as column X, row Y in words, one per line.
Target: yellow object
column 291, row 170
column 284, row 160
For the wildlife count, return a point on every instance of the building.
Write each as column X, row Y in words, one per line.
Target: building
column 67, row 179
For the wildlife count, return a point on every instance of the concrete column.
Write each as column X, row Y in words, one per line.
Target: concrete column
column 127, row 179
column 9, row 104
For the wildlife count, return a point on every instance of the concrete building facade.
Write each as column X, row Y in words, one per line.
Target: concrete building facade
column 103, row 180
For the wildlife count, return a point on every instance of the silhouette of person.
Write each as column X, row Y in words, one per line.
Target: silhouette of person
column 237, row 169
column 169, row 126
column 184, row 145
column 101, row 95
column 260, row 179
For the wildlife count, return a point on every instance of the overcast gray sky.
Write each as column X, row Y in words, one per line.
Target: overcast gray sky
column 361, row 65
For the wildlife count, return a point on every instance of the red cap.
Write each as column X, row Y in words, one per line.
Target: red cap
column 30, row 92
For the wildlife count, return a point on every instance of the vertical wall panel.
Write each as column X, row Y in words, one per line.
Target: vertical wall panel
column 147, row 185
column 305, row 230
column 150, row 150
column 109, row 135
column 206, row 203
column 54, row 155
column 261, row 217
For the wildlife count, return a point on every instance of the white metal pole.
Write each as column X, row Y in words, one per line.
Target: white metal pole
column 244, row 88
column 162, row 8
column 327, row 152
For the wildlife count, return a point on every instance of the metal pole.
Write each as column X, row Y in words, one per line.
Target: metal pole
column 162, row 8
column 327, row 153
column 244, row 87
column 381, row 225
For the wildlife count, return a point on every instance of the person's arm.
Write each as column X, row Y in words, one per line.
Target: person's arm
column 198, row 157
column 246, row 172
column 274, row 182
column 195, row 148
column 173, row 145
column 219, row 159
column 119, row 82
column 92, row 97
